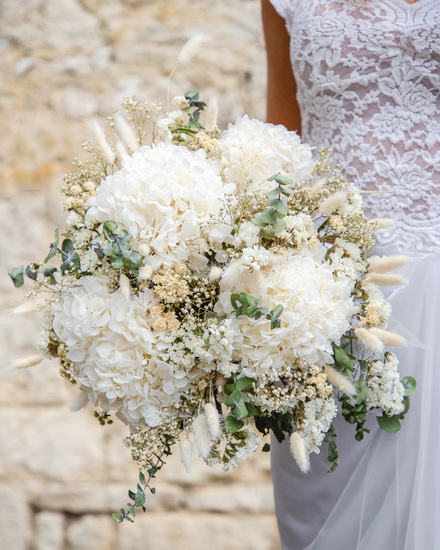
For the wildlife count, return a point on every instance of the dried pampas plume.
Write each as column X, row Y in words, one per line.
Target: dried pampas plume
column 186, row 450
column 215, row 273
column 369, row 340
column 126, row 133
column 299, row 452
column 211, row 115
column 386, row 279
column 340, row 381
column 102, row 143
column 388, row 263
column 381, row 223
column 24, row 363
column 28, row 307
column 120, row 149
column 145, row 273
column 332, row 203
column 202, row 435
column 190, row 48
column 388, row 338
column 80, row 402
column 124, row 285
column 213, row 419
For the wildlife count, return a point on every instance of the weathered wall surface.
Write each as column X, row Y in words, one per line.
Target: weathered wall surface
column 61, row 473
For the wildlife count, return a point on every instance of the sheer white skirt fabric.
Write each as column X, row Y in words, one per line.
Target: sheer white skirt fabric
column 385, row 493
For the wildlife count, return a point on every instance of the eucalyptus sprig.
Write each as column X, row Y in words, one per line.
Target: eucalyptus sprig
column 139, row 498
column 115, row 245
column 271, row 219
column 254, row 308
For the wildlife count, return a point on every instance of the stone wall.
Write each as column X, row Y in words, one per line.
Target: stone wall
column 61, row 473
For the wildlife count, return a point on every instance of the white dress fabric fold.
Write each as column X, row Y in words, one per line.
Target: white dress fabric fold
column 368, row 76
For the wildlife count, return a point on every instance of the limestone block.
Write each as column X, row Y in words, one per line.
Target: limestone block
column 24, row 65
column 49, row 531
column 14, row 518
column 189, row 531
column 236, row 498
column 51, row 443
column 93, row 498
column 76, row 65
column 78, row 103
column 91, row 532
column 45, row 27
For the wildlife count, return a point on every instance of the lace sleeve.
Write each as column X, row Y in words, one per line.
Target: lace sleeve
column 284, row 9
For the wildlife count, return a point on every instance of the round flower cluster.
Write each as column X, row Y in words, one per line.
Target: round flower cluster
column 161, row 196
column 317, row 312
column 117, row 364
column 250, row 151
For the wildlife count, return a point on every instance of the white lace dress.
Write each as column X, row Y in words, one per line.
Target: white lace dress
column 368, row 76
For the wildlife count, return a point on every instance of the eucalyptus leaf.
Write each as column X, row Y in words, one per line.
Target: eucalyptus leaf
column 279, row 225
column 118, row 517
column 390, row 424
column 17, row 276
column 342, row 358
column 240, row 410
column 53, row 247
column 410, row 385
column 269, row 216
column 109, row 229
column 245, row 383
column 233, row 425
column 280, row 206
column 252, row 409
column 283, row 180
column 139, row 499
column 277, row 311
column 233, row 398
column 30, row 273
column 48, row 272
column 229, row 388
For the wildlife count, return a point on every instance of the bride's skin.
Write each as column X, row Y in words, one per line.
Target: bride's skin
column 282, row 107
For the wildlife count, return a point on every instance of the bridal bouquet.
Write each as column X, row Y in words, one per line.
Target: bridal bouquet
column 212, row 285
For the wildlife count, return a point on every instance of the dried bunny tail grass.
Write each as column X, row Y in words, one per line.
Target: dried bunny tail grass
column 211, row 115
column 214, row 421
column 24, row 363
column 388, row 338
column 120, row 149
column 340, row 381
column 126, row 133
column 190, row 48
column 101, row 142
column 145, row 273
column 186, row 451
column 202, row 435
column 80, row 402
column 377, row 224
column 215, row 273
column 299, row 452
column 369, row 340
column 144, row 249
column 386, row 279
column 388, row 263
column 330, row 204
column 317, row 187
column 124, row 285
column 28, row 307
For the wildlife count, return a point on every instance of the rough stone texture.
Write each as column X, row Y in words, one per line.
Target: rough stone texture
column 49, row 531
column 187, row 531
column 95, row 532
column 62, row 474
column 15, row 529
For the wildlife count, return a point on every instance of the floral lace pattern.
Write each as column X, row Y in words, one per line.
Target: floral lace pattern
column 368, row 76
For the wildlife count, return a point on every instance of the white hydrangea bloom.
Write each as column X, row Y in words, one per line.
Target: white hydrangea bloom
column 161, row 196
column 301, row 229
column 116, row 359
column 251, row 151
column 317, row 312
column 386, row 390
column 248, row 235
column 46, row 327
column 318, row 416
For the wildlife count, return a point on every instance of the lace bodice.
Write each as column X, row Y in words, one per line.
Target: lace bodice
column 368, row 77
